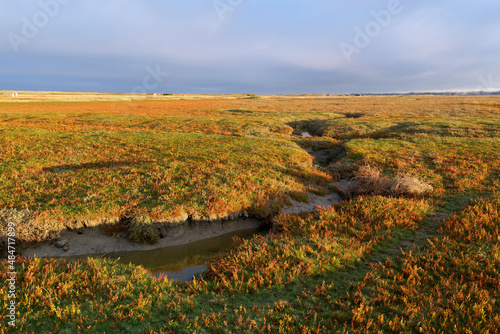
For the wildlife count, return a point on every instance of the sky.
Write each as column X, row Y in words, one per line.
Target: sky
column 249, row 46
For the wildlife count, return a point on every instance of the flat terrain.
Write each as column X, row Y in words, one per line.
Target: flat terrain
column 389, row 262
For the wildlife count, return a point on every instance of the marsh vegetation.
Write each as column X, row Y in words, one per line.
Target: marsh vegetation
column 385, row 259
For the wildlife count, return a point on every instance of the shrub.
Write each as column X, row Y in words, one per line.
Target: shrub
column 142, row 231
column 370, row 181
column 408, row 185
column 343, row 170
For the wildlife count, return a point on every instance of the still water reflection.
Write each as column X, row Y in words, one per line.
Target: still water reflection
column 185, row 261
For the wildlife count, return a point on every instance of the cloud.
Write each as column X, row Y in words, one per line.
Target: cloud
column 267, row 46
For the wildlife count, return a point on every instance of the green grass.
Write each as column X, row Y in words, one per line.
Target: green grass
column 186, row 169
column 336, row 270
column 98, row 165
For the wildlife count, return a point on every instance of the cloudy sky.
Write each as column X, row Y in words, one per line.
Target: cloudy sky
column 249, row 46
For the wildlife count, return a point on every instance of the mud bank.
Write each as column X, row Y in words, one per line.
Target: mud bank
column 92, row 241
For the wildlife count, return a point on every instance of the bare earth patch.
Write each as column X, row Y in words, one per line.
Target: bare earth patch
column 87, row 241
column 314, row 201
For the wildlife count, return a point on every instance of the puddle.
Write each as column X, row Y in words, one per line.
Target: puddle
column 184, row 261
column 306, row 134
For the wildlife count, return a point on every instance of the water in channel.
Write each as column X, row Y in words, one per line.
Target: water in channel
column 184, row 261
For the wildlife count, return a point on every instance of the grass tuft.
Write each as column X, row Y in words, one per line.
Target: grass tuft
column 409, row 185
column 369, row 180
column 142, row 230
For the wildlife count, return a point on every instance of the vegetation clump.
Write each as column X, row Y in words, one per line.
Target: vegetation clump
column 142, row 230
column 253, row 97
column 342, row 170
column 369, row 180
column 409, row 185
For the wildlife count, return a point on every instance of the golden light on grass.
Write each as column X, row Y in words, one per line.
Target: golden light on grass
column 348, row 268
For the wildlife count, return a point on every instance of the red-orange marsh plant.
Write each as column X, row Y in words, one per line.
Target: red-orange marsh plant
column 314, row 244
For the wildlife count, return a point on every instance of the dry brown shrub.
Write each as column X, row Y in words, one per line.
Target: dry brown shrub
column 369, row 180
column 343, row 170
column 368, row 172
column 409, row 185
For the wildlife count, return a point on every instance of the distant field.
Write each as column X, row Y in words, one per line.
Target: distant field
column 92, row 157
